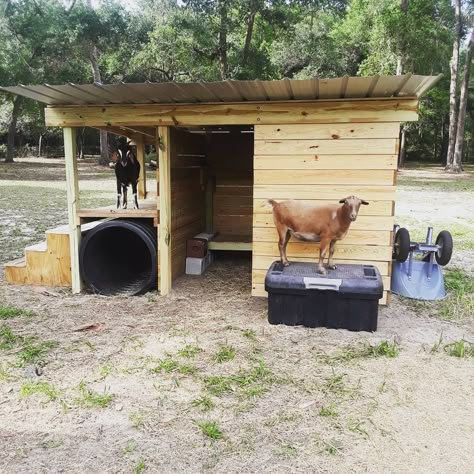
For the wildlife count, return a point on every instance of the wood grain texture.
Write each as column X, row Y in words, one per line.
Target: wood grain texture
column 343, row 111
column 325, row 162
column 332, row 131
column 376, row 146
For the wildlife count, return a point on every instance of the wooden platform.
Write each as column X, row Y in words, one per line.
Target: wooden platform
column 231, row 242
column 148, row 209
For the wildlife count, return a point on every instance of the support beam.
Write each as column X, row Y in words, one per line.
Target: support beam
column 210, row 188
column 164, row 229
column 343, row 111
column 72, row 186
column 141, row 160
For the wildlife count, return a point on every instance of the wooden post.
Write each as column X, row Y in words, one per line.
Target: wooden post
column 210, row 187
column 164, row 229
column 141, row 160
column 72, row 186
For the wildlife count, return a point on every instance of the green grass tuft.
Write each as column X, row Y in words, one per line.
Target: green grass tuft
column 187, row 369
column 140, row 467
column 209, row 429
column 224, row 354
column 90, row 399
column 460, row 349
column 9, row 312
column 250, row 334
column 8, row 339
column 328, row 410
column 204, row 403
column 167, row 365
column 35, row 352
column 189, row 351
column 43, row 388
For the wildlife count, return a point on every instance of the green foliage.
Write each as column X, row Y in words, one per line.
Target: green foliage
column 9, row 312
column 90, row 399
column 224, row 354
column 209, row 428
column 460, row 349
column 43, row 388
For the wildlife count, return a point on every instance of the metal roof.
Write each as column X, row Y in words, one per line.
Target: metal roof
column 374, row 87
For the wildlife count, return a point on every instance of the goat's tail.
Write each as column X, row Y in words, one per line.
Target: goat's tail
column 271, row 202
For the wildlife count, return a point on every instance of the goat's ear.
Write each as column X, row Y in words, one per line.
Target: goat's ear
column 342, row 201
column 365, row 203
column 114, row 156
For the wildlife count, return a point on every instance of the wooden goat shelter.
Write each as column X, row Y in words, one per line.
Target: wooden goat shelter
column 225, row 148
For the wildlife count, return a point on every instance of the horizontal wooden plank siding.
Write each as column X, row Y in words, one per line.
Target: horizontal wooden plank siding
column 326, row 162
column 379, row 146
column 317, row 112
column 321, row 164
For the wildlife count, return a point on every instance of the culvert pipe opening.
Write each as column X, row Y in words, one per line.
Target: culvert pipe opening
column 119, row 257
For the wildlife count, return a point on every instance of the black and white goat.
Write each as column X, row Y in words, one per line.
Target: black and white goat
column 127, row 172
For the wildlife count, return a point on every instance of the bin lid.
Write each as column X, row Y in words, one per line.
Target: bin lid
column 362, row 280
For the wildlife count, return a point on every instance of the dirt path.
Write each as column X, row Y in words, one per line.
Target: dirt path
column 129, row 394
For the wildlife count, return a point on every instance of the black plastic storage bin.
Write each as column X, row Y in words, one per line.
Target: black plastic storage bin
column 345, row 298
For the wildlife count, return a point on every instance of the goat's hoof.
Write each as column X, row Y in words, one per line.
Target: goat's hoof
column 286, row 264
column 332, row 267
column 322, row 271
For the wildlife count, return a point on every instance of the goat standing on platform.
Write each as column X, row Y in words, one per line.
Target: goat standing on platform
column 324, row 224
column 127, row 172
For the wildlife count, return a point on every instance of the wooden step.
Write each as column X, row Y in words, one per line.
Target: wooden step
column 15, row 271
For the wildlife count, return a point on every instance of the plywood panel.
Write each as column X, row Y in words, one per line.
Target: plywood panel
column 362, row 222
column 325, row 162
column 349, row 177
column 328, row 131
column 367, row 111
column 356, row 237
column 375, row 208
column 324, row 191
column 342, row 250
column 378, row 146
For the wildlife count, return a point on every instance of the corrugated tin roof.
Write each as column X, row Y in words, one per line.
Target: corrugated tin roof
column 228, row 91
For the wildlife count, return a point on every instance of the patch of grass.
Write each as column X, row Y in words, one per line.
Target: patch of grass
column 90, row 399
column 43, row 388
column 129, row 448
column 460, row 349
column 187, row 369
column 52, row 443
column 281, row 418
column 331, row 447
column 458, row 282
column 189, row 351
column 209, row 428
column 287, row 450
column 328, row 410
column 204, row 403
column 137, row 419
column 459, row 304
column 254, row 391
column 335, row 383
column 250, row 334
column 8, row 339
column 167, row 365
column 224, row 354
column 35, row 352
column 217, row 385
column 105, row 371
column 140, row 467
column 365, row 351
column 5, row 374
column 358, row 426
column 9, row 312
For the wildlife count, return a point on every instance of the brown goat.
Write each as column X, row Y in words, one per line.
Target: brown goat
column 324, row 224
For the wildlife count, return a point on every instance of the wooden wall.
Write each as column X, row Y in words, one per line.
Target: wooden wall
column 230, row 161
column 187, row 194
column 323, row 163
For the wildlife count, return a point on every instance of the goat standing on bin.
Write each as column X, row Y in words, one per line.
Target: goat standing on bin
column 324, row 224
column 127, row 172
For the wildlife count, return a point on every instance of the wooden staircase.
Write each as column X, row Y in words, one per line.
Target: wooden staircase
column 46, row 263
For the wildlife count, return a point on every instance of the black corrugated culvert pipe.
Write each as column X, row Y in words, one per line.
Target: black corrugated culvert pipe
column 119, row 257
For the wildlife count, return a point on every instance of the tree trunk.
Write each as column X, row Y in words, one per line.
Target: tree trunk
column 104, row 140
column 17, row 101
column 402, row 152
column 40, row 143
column 223, row 38
column 250, row 23
column 453, row 65
column 457, row 160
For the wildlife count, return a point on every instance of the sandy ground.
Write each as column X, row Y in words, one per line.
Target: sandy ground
column 311, row 401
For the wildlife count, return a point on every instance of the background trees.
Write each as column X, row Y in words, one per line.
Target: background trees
column 58, row 41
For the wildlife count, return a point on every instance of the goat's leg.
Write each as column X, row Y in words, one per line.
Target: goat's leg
column 135, row 197
column 124, row 191
column 119, row 193
column 323, row 249
column 284, row 236
column 331, row 253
